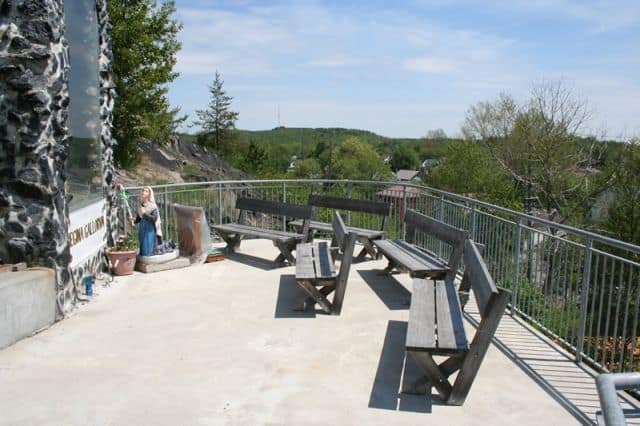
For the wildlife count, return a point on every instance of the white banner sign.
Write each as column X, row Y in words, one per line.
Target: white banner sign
column 87, row 231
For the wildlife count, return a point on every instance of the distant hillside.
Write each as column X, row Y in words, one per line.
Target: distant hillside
column 301, row 141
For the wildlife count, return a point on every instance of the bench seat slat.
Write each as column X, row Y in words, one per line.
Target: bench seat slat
column 415, row 260
column 323, row 261
column 421, row 331
column 304, row 262
column 314, row 261
column 451, row 335
column 258, row 232
column 326, row 227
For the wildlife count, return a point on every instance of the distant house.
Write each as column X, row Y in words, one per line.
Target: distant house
column 407, row 175
column 395, row 195
column 428, row 164
column 292, row 163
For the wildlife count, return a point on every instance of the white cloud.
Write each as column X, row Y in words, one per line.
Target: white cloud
column 431, row 65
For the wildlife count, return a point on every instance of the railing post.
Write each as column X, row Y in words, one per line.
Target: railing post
column 516, row 260
column 165, row 223
column 404, row 211
column 220, row 204
column 441, row 219
column 347, row 194
column 586, row 278
column 284, row 200
column 472, row 226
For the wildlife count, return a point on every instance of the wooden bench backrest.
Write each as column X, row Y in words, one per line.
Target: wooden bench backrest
column 477, row 277
column 441, row 231
column 346, row 242
column 275, row 208
column 492, row 302
column 365, row 206
column 349, row 204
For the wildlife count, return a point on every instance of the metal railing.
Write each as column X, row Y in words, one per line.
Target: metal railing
column 580, row 288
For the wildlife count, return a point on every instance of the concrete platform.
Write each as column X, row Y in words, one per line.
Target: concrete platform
column 27, row 303
column 219, row 344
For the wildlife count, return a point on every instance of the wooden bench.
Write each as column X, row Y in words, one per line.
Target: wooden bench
column 436, row 327
column 363, row 235
column 233, row 233
column 316, row 268
column 419, row 262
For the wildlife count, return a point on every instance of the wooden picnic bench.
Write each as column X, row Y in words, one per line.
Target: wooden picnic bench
column 436, row 327
column 316, row 268
column 363, row 235
column 233, row 233
column 420, row 263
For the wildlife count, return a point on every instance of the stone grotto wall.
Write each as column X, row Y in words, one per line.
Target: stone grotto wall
column 33, row 138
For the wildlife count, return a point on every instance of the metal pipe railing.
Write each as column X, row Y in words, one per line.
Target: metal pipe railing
column 608, row 385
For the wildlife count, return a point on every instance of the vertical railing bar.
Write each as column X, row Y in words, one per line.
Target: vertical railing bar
column 404, row 211
column 600, row 305
column 284, row 200
column 586, row 276
column 219, row 204
column 593, row 304
column 614, row 337
column 625, row 320
column 634, row 340
column 516, row 259
column 606, row 324
column 562, row 330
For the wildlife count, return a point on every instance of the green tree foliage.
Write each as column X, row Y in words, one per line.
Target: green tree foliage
column 217, row 121
column 624, row 213
column 308, row 168
column 404, row 157
column 536, row 145
column 359, row 161
column 468, row 168
column 145, row 44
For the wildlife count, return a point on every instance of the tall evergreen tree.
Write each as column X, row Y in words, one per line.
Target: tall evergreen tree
column 145, row 45
column 217, row 121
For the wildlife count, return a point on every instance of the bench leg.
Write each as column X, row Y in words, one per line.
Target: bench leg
column 285, row 252
column 310, row 301
column 233, row 242
column 316, row 295
column 367, row 249
column 433, row 373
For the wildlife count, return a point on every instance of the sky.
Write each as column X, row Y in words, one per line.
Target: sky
column 403, row 68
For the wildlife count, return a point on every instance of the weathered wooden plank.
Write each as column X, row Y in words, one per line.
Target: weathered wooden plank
column 327, row 227
column 339, row 229
column 421, row 331
column 481, row 281
column 450, row 328
column 365, row 206
column 275, row 208
column 478, row 349
column 304, row 262
column 440, row 230
column 417, row 265
column 323, row 261
column 343, row 275
column 253, row 231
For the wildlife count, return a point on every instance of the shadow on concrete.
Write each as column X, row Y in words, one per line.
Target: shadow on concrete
column 570, row 384
column 290, row 296
column 394, row 369
column 389, row 290
column 256, row 262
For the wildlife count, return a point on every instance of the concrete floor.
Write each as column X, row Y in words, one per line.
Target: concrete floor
column 219, row 344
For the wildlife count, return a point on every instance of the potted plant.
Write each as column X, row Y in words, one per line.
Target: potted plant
column 122, row 255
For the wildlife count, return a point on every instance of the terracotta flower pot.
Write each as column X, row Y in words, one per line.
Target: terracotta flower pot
column 122, row 262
